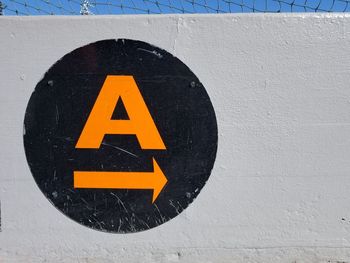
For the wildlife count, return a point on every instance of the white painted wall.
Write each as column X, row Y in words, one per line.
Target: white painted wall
column 280, row 188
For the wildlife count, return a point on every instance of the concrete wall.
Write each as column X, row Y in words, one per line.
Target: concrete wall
column 280, row 187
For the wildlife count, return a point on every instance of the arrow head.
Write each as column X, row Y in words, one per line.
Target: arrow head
column 159, row 180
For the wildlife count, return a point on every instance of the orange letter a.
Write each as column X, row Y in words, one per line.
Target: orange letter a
column 140, row 120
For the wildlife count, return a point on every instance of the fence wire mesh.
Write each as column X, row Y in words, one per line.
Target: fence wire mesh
column 100, row 7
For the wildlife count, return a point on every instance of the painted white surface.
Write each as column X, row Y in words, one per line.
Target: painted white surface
column 280, row 188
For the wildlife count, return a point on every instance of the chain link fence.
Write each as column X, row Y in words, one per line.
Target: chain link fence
column 102, row 7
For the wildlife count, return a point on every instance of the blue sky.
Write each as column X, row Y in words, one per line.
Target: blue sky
column 67, row 7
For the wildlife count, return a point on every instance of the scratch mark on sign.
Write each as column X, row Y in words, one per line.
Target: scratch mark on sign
column 120, row 224
column 57, row 115
column 160, row 214
column 86, row 204
column 98, row 223
column 120, row 149
column 120, row 202
column 176, row 208
column 151, row 52
column 144, row 223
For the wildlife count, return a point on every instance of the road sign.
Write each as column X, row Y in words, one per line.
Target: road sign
column 120, row 135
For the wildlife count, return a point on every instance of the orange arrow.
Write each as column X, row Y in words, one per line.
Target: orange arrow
column 155, row 180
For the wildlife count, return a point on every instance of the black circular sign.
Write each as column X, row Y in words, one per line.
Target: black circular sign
column 120, row 135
